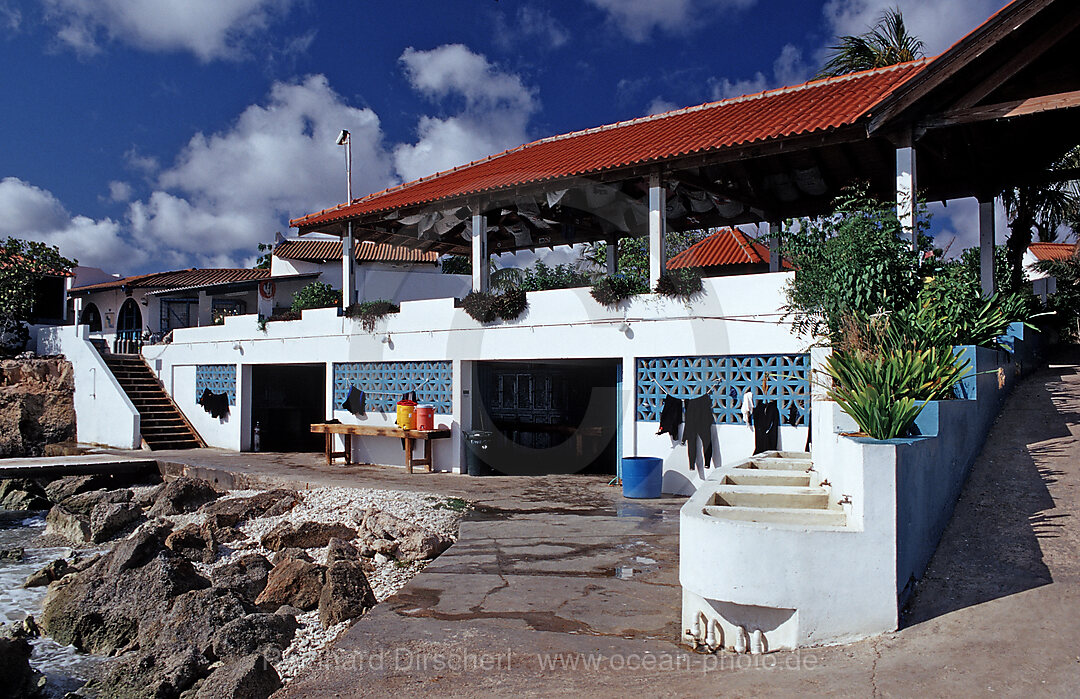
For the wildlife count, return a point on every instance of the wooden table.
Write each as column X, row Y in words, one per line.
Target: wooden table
column 409, row 436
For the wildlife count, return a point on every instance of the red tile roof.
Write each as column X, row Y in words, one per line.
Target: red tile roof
column 814, row 106
column 326, row 250
column 1052, row 251
column 183, row 278
column 728, row 246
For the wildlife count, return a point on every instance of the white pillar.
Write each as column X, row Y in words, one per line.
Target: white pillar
column 774, row 246
column 481, row 263
column 986, row 246
column 612, row 256
column 348, row 286
column 906, row 185
column 657, row 229
column 205, row 310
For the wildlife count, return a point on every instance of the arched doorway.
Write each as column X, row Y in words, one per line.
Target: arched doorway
column 128, row 329
column 92, row 317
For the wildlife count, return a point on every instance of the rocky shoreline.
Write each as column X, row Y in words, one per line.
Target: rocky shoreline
column 206, row 594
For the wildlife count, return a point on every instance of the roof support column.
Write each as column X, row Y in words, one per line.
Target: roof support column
column 774, row 246
column 481, row 262
column 612, row 256
column 348, row 269
column 986, row 246
column 906, row 190
column 657, row 229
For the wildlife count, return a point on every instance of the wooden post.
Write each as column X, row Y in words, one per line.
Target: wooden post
column 657, row 229
column 481, row 265
column 774, row 246
column 986, row 247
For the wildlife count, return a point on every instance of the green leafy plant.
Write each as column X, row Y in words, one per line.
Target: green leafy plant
column 285, row 316
column 369, row 312
column 883, row 378
column 541, row 276
column 680, row 284
column 511, row 303
column 486, row 307
column 482, row 306
column 613, row 290
column 260, row 323
column 22, row 265
column 315, row 295
column 455, row 264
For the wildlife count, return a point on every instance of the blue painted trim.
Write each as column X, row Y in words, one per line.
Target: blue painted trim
column 383, row 383
column 219, row 378
column 726, row 378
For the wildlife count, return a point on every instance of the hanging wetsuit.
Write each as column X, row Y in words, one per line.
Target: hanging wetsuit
column 670, row 417
column 217, row 404
column 354, row 403
column 766, row 426
column 699, row 422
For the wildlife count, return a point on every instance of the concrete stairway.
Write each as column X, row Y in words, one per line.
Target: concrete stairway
column 774, row 488
column 162, row 424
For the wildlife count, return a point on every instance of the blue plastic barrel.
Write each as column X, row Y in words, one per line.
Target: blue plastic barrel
column 642, row 476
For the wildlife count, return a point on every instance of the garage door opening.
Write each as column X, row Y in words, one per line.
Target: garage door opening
column 285, row 400
column 550, row 417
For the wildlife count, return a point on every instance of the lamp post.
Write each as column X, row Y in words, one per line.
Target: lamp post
column 347, row 268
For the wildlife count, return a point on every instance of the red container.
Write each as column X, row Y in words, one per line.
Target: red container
column 425, row 417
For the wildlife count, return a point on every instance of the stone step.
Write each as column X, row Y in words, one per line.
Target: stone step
column 749, row 476
column 778, row 463
column 780, row 515
column 769, row 496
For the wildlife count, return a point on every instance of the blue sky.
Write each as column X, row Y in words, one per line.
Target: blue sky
column 155, row 134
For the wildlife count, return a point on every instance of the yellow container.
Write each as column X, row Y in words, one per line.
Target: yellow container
column 406, row 414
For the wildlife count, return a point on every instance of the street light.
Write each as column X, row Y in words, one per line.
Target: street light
column 345, row 139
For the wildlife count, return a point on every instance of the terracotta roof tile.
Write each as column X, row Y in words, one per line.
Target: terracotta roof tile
column 179, row 279
column 728, row 246
column 1052, row 251
column 791, row 111
column 326, row 250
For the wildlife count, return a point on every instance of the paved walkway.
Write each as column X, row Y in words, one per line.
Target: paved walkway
column 563, row 588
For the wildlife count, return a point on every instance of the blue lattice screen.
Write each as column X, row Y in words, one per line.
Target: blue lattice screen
column 219, row 378
column 726, row 377
column 383, row 383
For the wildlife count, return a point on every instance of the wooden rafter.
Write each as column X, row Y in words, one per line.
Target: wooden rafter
column 1003, row 110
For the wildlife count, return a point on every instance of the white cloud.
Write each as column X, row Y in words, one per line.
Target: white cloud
column 209, row 29
column 787, row 69
column 958, row 222
column 939, row 24
column 145, row 164
column 10, row 17
column 119, row 191
column 228, row 191
column 638, row 19
column 495, row 115
column 659, row 106
column 529, row 24
column 32, row 213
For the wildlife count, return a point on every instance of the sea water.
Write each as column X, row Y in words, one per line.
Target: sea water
column 65, row 667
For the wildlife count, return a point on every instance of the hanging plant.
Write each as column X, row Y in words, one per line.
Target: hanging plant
column 511, row 303
column 612, row 290
column 679, row 284
column 482, row 306
column 369, row 312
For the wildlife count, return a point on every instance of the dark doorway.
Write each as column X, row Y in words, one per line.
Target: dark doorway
column 550, row 416
column 285, row 400
column 92, row 317
column 128, row 329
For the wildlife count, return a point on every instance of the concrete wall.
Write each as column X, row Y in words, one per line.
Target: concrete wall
column 104, row 415
column 733, row 316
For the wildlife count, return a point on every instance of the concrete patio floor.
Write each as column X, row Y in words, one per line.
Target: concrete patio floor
column 559, row 586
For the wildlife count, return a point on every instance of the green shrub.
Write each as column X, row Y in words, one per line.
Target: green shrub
column 679, row 283
column 456, row 264
column 511, row 303
column 482, row 306
column 316, row 295
column 369, row 312
column 541, row 277
column 612, row 290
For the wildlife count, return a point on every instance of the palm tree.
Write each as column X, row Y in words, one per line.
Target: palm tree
column 1041, row 208
column 886, row 43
